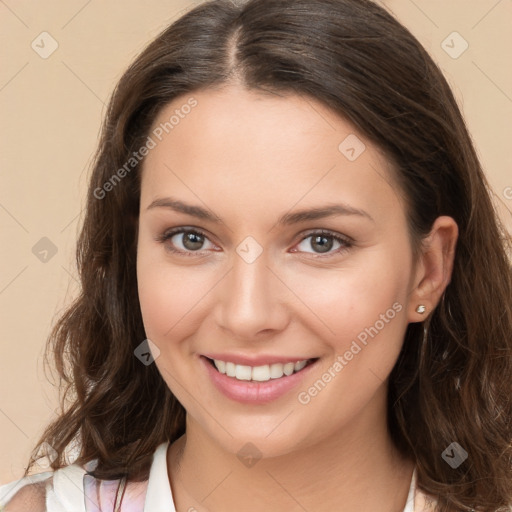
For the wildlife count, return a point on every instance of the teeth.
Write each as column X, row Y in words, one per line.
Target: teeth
column 258, row 373
column 299, row 365
column 288, row 368
column 276, row 371
column 230, row 369
column 221, row 366
column 261, row 373
column 243, row 372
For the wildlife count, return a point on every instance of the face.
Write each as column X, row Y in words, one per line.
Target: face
column 228, row 269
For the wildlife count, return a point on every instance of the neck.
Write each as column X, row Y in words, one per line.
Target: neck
column 355, row 468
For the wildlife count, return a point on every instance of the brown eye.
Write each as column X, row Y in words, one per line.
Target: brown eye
column 192, row 241
column 323, row 242
column 184, row 241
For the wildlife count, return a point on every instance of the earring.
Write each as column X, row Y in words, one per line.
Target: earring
column 421, row 309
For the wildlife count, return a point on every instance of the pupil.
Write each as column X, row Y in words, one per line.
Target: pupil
column 193, row 241
column 324, row 247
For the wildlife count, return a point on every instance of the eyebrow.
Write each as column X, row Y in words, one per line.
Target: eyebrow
column 315, row 213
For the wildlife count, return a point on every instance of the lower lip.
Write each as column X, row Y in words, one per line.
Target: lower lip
column 250, row 392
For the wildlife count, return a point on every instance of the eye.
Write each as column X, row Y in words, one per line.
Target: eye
column 185, row 241
column 190, row 242
column 323, row 241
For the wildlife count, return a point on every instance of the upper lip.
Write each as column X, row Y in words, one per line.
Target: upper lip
column 259, row 360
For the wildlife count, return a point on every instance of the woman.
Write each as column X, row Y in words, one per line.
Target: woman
column 295, row 289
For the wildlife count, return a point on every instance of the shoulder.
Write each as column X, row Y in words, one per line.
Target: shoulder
column 27, row 494
column 52, row 491
column 64, row 490
column 71, row 488
column 31, row 498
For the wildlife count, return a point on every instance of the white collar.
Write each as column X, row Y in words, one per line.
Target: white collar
column 158, row 494
column 409, row 505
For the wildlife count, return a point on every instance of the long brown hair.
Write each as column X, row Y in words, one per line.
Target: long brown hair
column 453, row 379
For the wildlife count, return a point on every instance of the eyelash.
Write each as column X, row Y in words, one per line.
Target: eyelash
column 167, row 235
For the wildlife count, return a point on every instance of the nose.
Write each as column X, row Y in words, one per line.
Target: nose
column 251, row 300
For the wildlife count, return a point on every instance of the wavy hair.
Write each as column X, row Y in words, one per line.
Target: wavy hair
column 453, row 378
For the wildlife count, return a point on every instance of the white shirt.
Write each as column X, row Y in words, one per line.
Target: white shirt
column 72, row 490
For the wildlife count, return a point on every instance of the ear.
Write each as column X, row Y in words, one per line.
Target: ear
column 434, row 268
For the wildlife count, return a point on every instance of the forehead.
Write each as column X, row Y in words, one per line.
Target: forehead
column 252, row 150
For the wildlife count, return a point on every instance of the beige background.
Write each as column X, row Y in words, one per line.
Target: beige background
column 51, row 111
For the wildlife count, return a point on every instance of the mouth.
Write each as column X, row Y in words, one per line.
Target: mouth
column 261, row 373
column 261, row 384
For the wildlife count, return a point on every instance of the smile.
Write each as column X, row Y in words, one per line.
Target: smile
column 259, row 373
column 259, row 384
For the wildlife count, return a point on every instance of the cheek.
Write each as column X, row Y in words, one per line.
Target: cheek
column 169, row 296
column 374, row 320
column 365, row 307
column 343, row 302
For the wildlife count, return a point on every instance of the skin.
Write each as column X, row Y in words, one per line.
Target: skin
column 250, row 157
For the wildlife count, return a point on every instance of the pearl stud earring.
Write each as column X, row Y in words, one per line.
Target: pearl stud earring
column 421, row 309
